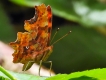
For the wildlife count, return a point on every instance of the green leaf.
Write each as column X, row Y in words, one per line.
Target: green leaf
column 95, row 74
column 3, row 78
column 9, row 75
column 86, row 12
column 30, row 3
column 23, row 76
column 92, row 13
column 5, row 27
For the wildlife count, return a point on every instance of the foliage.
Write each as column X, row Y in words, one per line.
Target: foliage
column 5, row 27
column 86, row 12
column 95, row 74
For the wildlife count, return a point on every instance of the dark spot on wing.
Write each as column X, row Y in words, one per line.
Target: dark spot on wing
column 49, row 30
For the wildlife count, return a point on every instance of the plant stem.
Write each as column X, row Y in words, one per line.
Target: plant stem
column 6, row 73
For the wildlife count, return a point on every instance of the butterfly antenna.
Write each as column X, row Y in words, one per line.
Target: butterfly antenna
column 54, row 34
column 62, row 37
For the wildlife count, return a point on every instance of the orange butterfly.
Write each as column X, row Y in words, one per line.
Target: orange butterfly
column 33, row 46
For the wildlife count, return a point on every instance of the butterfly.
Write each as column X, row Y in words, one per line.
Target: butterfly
column 33, row 46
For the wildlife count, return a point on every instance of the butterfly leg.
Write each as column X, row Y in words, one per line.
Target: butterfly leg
column 50, row 65
column 27, row 65
column 40, row 66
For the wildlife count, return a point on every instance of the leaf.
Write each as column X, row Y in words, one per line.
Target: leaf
column 95, row 74
column 30, row 3
column 86, row 12
column 3, row 78
column 20, row 76
column 5, row 27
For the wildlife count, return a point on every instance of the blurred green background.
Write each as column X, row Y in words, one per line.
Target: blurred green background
column 84, row 48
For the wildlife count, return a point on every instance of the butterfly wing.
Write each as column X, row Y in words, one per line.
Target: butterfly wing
column 29, row 44
column 44, row 33
column 45, row 27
